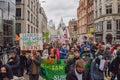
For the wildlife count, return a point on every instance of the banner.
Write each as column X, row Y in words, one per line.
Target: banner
column 31, row 41
column 53, row 69
column 46, row 35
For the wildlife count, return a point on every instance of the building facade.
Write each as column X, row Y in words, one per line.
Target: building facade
column 82, row 16
column 73, row 29
column 30, row 17
column 90, row 29
column 7, row 22
column 107, row 20
column 61, row 29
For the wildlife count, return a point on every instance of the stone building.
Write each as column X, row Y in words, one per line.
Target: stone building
column 107, row 20
column 82, row 17
column 73, row 29
column 30, row 17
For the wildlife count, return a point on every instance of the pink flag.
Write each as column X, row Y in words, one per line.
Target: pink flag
column 57, row 53
column 67, row 33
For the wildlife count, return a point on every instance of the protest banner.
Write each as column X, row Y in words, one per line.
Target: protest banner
column 46, row 35
column 53, row 69
column 31, row 41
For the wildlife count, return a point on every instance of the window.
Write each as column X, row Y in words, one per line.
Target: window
column 18, row 0
column 34, row 20
column 119, row 8
column 31, row 29
column 28, row 28
column 31, row 5
column 100, row 1
column 109, row 25
column 18, row 28
column 109, row 9
column 100, row 11
column 31, row 18
column 96, row 14
column 28, row 16
column 118, row 25
column 18, row 12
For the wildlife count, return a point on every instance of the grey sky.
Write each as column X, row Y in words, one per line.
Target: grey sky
column 55, row 9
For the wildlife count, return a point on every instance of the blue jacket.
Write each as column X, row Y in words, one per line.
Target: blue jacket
column 63, row 53
column 96, row 74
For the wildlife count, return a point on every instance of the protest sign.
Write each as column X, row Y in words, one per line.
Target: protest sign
column 53, row 69
column 31, row 41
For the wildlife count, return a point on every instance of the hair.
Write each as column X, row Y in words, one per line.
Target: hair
column 80, row 63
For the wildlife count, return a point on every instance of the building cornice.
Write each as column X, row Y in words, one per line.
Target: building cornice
column 107, row 16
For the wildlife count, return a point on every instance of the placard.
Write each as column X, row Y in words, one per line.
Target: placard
column 31, row 41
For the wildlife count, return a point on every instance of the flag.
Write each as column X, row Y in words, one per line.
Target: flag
column 67, row 33
column 17, row 38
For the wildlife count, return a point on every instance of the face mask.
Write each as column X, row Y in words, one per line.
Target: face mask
column 3, row 75
column 100, row 57
column 79, row 72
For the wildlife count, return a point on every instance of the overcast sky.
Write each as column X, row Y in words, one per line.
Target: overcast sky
column 55, row 9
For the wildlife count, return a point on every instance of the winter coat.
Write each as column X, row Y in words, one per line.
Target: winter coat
column 72, row 76
column 70, row 65
column 15, row 65
column 63, row 53
column 10, row 73
column 37, row 61
column 96, row 74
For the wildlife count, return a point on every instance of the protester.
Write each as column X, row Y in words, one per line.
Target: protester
column 45, row 53
column 87, row 57
column 115, row 67
column 63, row 51
column 6, row 72
column 96, row 71
column 52, row 54
column 78, row 72
column 71, row 63
column 23, row 63
column 70, row 55
column 14, row 62
column 34, row 65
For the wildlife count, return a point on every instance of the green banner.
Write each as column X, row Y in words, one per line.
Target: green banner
column 46, row 35
column 53, row 69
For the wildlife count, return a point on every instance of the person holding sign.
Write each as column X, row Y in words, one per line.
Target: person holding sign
column 34, row 65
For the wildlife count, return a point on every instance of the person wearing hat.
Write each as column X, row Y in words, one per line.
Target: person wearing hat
column 14, row 62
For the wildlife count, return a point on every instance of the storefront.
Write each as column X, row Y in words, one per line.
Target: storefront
column 98, row 37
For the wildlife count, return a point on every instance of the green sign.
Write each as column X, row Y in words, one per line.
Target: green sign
column 53, row 69
column 46, row 35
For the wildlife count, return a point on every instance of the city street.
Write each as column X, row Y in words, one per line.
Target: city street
column 59, row 39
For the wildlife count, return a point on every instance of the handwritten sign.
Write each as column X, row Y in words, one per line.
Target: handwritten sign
column 31, row 41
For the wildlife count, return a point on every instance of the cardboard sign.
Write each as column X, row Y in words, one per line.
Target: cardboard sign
column 31, row 41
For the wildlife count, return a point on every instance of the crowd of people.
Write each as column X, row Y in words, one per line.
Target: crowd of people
column 86, row 60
